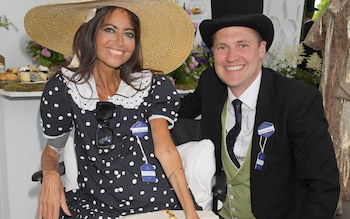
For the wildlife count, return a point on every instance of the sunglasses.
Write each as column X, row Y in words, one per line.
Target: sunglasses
column 104, row 134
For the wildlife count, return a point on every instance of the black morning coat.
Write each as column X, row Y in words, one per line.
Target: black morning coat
column 300, row 178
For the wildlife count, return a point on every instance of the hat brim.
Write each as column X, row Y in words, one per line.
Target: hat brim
column 258, row 22
column 167, row 33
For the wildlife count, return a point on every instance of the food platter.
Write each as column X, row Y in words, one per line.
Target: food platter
column 27, row 75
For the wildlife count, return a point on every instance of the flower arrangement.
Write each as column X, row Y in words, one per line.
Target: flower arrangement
column 45, row 56
column 185, row 77
column 290, row 65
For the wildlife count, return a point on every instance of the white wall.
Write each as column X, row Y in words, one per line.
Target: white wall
column 21, row 140
column 286, row 16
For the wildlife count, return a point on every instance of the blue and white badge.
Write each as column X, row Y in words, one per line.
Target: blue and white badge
column 260, row 161
column 148, row 173
column 139, row 129
column 266, row 129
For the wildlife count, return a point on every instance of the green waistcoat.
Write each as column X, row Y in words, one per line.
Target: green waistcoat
column 237, row 203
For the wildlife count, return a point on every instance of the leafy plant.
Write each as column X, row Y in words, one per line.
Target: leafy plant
column 186, row 76
column 5, row 23
column 288, row 66
column 321, row 6
column 45, row 56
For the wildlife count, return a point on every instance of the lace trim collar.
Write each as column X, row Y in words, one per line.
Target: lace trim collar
column 86, row 96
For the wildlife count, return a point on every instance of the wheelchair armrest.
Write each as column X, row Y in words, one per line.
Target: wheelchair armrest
column 219, row 190
column 38, row 176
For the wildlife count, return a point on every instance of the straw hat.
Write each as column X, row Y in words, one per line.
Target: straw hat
column 167, row 32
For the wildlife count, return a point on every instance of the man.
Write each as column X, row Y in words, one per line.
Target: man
column 282, row 163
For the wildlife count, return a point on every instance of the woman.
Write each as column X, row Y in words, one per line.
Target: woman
column 120, row 111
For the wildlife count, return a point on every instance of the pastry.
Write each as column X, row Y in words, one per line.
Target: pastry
column 11, row 76
column 2, row 76
column 43, row 76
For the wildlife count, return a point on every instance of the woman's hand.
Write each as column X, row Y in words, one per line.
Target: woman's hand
column 52, row 196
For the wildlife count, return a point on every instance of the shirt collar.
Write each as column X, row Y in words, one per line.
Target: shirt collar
column 249, row 96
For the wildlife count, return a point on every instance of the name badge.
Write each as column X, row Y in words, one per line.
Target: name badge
column 148, row 173
column 139, row 129
column 260, row 161
column 266, row 129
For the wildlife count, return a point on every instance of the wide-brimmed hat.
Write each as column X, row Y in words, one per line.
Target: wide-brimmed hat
column 167, row 32
column 237, row 13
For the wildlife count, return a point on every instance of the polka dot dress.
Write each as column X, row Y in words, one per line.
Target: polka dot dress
column 110, row 182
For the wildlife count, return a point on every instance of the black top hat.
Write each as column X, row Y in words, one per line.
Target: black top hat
column 249, row 16
column 220, row 8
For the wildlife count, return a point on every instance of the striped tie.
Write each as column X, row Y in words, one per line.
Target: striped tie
column 233, row 133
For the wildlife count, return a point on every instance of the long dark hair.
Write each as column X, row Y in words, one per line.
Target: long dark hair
column 84, row 46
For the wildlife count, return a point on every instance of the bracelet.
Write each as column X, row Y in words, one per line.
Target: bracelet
column 180, row 168
column 170, row 214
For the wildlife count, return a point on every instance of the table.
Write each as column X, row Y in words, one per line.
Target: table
column 21, row 143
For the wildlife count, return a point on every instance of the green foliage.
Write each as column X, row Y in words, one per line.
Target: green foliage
column 321, row 6
column 307, row 77
column 5, row 23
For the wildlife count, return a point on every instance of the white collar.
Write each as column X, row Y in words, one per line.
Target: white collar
column 85, row 95
column 250, row 96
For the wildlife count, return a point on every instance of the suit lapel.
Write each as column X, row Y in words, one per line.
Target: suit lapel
column 264, row 113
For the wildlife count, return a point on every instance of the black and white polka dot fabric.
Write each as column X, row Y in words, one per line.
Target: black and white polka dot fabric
column 109, row 179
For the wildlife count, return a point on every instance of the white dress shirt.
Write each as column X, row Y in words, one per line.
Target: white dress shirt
column 249, row 99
